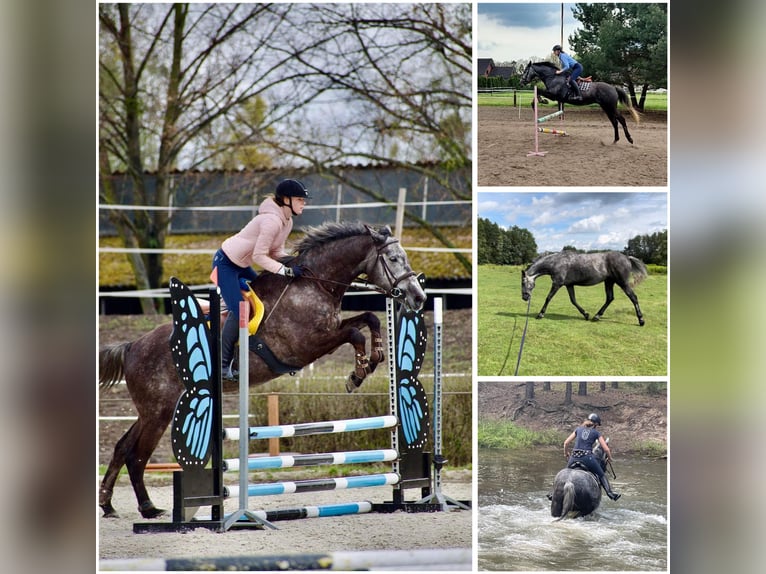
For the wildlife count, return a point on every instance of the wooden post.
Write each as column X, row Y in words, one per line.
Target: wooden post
column 272, row 403
column 400, row 212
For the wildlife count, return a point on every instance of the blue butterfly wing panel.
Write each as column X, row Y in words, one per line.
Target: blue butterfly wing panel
column 190, row 347
column 411, row 342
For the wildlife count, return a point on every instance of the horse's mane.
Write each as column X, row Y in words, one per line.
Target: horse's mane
column 331, row 231
column 550, row 65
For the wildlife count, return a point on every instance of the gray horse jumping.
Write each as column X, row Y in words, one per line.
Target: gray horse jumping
column 303, row 322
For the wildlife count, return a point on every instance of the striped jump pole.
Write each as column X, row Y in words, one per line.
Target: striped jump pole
column 441, row 559
column 289, row 461
column 552, row 131
column 314, row 485
column 549, row 116
column 305, row 429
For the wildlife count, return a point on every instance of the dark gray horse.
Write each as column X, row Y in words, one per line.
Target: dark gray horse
column 568, row 268
column 302, row 323
column 577, row 490
column 603, row 94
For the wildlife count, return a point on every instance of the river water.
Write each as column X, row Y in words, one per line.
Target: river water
column 516, row 530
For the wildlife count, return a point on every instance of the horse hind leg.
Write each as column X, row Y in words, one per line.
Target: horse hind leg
column 624, row 125
column 634, row 299
column 121, row 449
column 146, row 441
column 609, row 289
column 571, row 291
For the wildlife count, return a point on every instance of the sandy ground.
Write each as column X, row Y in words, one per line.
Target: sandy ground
column 585, row 157
column 361, row 532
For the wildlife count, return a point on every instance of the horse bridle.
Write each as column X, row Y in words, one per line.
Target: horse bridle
column 394, row 292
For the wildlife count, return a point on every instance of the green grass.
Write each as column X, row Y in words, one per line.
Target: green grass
column 563, row 343
column 504, row 434
column 653, row 102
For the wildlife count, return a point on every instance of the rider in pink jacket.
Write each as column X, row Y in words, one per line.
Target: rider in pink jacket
column 260, row 242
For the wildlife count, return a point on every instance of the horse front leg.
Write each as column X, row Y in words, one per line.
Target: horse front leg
column 551, row 293
column 364, row 365
column 570, row 289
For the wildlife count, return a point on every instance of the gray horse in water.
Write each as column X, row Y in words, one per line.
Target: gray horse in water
column 576, row 490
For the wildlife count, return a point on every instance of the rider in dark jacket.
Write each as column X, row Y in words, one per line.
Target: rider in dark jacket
column 585, row 436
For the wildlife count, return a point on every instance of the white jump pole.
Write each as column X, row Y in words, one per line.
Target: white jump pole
column 537, row 151
column 243, row 513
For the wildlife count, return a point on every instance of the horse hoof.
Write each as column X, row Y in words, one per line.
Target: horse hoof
column 353, row 383
column 587, row 317
column 540, row 316
column 148, row 510
column 641, row 323
column 596, row 318
column 109, row 511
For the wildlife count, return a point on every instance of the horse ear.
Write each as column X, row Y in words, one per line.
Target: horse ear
column 379, row 236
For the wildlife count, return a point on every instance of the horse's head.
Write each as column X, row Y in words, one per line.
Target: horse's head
column 390, row 270
column 529, row 74
column 527, row 284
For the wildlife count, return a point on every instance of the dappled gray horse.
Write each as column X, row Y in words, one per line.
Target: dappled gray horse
column 568, row 269
column 577, row 490
column 302, row 323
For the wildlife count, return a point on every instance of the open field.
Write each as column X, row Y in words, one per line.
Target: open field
column 563, row 343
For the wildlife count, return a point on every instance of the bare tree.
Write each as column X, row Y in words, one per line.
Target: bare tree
column 182, row 85
column 168, row 75
column 582, row 389
column 529, row 392
column 394, row 84
column 568, row 393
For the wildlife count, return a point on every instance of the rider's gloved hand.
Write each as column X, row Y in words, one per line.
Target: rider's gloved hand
column 294, row 271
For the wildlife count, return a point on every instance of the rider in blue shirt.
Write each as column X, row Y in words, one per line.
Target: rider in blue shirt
column 569, row 64
column 585, row 436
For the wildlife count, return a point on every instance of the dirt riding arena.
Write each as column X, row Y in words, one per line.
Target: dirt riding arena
column 585, row 157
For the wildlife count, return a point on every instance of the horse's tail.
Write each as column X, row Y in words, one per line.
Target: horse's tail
column 111, row 364
column 638, row 271
column 567, row 504
column 625, row 100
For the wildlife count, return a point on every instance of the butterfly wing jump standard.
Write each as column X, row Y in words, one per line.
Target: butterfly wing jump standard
column 196, row 426
column 408, row 346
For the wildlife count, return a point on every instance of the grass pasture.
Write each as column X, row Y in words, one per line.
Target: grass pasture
column 563, row 343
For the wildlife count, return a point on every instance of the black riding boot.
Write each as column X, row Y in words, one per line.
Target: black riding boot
column 608, row 489
column 229, row 336
column 576, row 89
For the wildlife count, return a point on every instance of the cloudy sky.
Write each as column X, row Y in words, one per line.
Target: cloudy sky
column 507, row 32
column 598, row 220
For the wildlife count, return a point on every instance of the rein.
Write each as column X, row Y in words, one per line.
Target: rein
column 523, row 337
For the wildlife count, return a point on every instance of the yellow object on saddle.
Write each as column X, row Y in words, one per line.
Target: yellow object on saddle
column 256, row 305
column 256, row 310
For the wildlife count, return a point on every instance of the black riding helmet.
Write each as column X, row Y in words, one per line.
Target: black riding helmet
column 557, row 47
column 595, row 418
column 292, row 188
